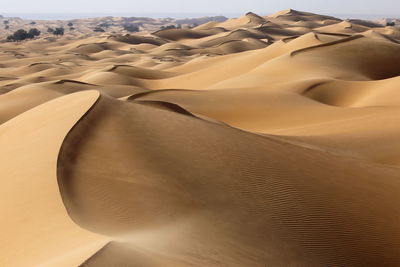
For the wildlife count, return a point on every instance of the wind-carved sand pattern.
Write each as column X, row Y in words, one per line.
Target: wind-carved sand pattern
column 257, row 141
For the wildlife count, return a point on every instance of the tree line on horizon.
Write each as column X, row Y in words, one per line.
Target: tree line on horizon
column 21, row 34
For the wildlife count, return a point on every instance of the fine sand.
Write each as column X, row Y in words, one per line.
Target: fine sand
column 255, row 141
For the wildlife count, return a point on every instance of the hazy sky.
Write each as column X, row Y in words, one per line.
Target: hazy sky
column 199, row 6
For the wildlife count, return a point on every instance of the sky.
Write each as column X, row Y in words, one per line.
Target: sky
column 212, row 7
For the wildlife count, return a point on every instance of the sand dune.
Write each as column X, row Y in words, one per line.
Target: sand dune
column 255, row 141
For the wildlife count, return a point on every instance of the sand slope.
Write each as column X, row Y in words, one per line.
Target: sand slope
column 215, row 181
column 256, row 141
column 36, row 229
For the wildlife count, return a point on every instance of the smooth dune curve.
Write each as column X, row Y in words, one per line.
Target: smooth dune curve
column 304, row 208
column 39, row 230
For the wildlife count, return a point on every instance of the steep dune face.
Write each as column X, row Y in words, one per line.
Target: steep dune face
column 253, row 176
column 257, row 141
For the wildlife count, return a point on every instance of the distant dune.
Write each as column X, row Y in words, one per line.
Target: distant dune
column 253, row 141
column 85, row 27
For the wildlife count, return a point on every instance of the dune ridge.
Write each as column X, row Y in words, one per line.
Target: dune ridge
column 254, row 141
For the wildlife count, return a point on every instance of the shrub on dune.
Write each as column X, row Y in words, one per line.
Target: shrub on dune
column 131, row 28
column 58, row 31
column 98, row 29
column 179, row 26
column 34, row 32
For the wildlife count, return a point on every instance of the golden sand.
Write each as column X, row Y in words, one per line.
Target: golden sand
column 258, row 141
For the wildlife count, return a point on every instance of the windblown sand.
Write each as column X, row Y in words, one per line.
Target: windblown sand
column 258, row 141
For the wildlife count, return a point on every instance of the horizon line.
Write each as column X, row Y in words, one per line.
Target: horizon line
column 160, row 15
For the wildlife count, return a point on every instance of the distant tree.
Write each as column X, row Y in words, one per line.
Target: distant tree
column 98, row 29
column 32, row 23
column 390, row 23
column 20, row 35
column 131, row 28
column 169, row 27
column 70, row 24
column 58, row 31
column 34, row 32
column 104, row 25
